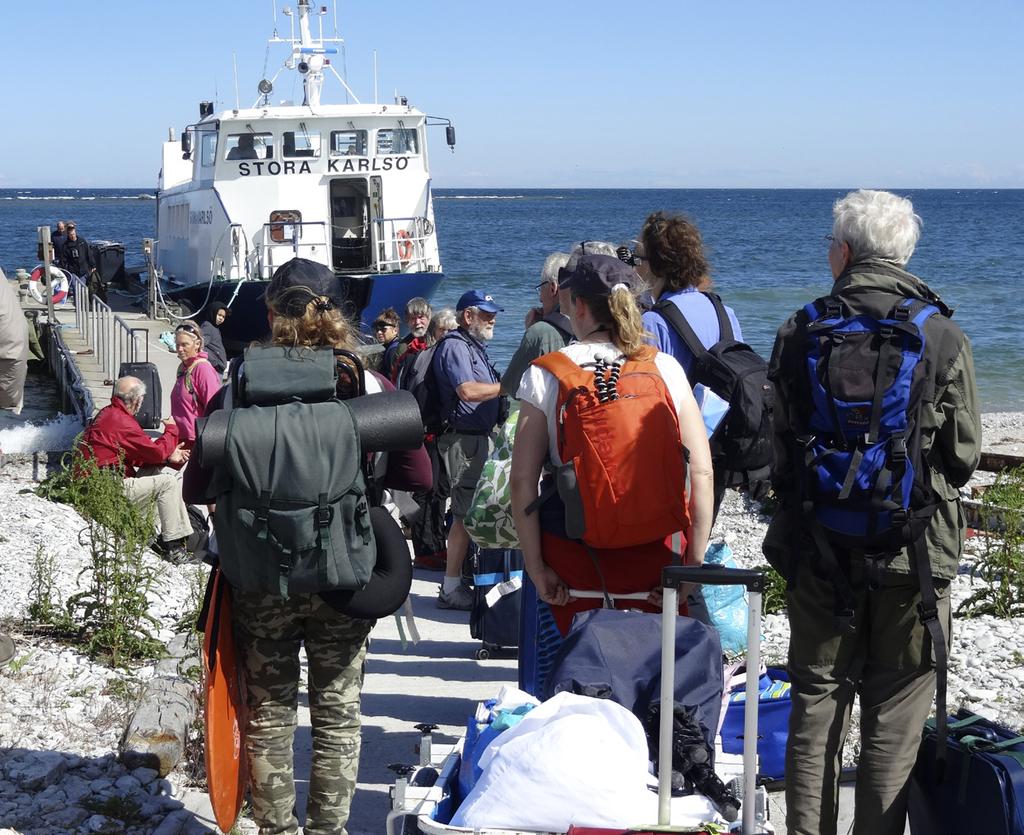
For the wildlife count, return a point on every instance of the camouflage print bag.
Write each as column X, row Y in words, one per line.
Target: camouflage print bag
column 489, row 520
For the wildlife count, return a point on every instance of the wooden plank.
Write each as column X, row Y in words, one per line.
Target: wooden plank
column 994, row 462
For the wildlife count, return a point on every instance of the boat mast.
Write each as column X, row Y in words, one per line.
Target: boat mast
column 308, row 56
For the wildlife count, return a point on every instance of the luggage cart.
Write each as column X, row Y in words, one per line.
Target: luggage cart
column 424, row 795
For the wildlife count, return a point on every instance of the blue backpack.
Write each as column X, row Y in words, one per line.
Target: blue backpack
column 863, row 471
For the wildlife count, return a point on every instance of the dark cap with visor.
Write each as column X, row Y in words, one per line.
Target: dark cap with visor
column 317, row 278
column 596, row 275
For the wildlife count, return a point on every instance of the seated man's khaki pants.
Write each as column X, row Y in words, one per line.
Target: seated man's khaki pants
column 152, row 483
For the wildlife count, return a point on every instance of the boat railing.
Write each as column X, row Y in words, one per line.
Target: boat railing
column 236, row 265
column 294, row 241
column 112, row 339
column 401, row 243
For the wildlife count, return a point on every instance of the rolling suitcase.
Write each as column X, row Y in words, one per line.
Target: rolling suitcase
column 149, row 415
column 981, row 787
column 498, row 594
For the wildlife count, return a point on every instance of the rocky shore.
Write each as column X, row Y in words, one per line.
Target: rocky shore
column 64, row 714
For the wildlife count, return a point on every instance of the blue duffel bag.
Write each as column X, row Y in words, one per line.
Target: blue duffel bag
column 774, row 704
column 617, row 655
column 980, row 789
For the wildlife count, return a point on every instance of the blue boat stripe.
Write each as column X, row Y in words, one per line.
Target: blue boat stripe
column 494, row 578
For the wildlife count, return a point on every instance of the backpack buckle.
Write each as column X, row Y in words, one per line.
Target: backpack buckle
column 886, row 332
column 899, row 448
column 833, row 310
column 927, row 613
column 900, row 517
column 324, row 516
column 901, row 313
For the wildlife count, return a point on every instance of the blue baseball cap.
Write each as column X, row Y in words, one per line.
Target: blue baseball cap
column 478, row 299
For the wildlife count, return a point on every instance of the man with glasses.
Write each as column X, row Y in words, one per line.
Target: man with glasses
column 468, row 388
column 549, row 329
column 385, row 331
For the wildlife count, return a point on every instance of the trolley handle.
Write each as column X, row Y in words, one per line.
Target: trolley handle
column 673, row 576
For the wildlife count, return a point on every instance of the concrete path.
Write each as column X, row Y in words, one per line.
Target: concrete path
column 437, row 680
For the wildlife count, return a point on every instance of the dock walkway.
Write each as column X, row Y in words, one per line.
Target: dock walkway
column 97, row 338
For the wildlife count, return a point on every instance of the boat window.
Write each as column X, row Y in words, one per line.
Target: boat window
column 348, row 143
column 208, row 144
column 397, row 141
column 249, row 146
column 285, row 225
column 301, row 143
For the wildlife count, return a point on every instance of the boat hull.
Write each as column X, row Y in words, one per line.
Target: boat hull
column 367, row 296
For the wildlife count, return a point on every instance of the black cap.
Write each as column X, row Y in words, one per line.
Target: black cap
column 318, row 278
column 596, row 275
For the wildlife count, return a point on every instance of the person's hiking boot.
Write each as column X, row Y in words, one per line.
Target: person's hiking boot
column 431, row 562
column 176, row 553
column 459, row 598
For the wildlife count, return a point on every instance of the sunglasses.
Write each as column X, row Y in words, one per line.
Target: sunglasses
column 187, row 329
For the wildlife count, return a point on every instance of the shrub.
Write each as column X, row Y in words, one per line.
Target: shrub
column 111, row 612
column 1001, row 569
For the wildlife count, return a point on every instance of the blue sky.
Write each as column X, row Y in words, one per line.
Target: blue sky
column 556, row 94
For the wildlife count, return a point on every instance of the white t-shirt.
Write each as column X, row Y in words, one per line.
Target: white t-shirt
column 540, row 388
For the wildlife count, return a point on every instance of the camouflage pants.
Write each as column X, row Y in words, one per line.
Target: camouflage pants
column 269, row 631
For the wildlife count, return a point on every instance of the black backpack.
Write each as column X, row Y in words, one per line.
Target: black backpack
column 742, row 443
column 416, row 375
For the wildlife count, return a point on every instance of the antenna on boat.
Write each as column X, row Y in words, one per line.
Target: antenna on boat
column 234, row 65
column 376, row 97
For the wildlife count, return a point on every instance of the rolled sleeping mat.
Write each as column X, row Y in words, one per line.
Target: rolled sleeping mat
column 211, row 438
column 387, row 421
column 391, row 579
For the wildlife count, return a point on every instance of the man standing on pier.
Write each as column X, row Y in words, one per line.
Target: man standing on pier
column 77, row 257
column 468, row 387
column 874, row 387
column 13, row 348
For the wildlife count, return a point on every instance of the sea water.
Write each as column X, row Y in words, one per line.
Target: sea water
column 766, row 247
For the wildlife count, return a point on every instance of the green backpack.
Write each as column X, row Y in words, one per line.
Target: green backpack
column 292, row 512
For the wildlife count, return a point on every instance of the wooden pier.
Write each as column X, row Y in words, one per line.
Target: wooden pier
column 90, row 339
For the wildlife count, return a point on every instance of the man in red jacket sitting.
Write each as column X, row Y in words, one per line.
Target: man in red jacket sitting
column 114, row 438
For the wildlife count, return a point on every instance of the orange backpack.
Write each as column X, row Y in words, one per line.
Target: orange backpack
column 623, row 480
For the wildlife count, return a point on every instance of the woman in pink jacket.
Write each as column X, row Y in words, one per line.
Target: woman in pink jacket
column 197, row 381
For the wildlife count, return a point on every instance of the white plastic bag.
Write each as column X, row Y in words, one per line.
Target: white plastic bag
column 575, row 761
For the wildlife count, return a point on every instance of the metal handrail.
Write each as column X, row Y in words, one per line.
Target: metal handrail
column 390, row 243
column 111, row 338
column 267, row 245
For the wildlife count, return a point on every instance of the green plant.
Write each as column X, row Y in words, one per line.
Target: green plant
column 16, row 665
column 189, row 619
column 124, row 809
column 1001, row 568
column 111, row 612
column 44, row 602
column 127, row 691
column 774, row 599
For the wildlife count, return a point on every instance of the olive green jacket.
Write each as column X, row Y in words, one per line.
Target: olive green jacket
column 950, row 422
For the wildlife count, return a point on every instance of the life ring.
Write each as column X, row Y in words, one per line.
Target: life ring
column 59, row 284
column 404, row 246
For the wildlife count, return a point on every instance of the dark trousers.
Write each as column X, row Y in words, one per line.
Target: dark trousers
column 428, row 531
column 886, row 659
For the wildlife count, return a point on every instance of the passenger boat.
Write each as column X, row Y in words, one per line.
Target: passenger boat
column 246, row 189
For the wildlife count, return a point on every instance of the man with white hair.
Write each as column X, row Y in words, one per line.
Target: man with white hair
column 868, row 378
column 549, row 332
column 115, row 439
column 468, row 388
